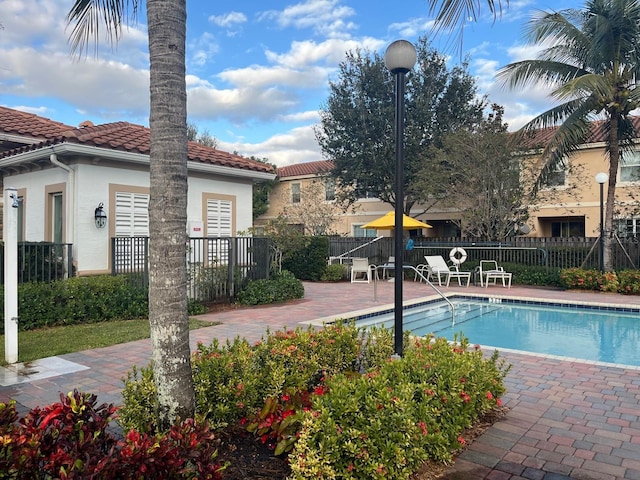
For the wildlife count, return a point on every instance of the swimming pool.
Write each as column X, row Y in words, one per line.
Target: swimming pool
column 595, row 333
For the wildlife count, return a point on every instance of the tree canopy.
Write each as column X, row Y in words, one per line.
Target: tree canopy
column 481, row 175
column 357, row 123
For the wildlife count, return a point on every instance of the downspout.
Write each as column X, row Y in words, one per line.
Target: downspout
column 71, row 198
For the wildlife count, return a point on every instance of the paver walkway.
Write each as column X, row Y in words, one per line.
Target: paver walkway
column 567, row 419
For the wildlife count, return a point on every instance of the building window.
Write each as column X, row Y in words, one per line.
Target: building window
column 567, row 229
column 557, row 177
column 627, row 227
column 219, row 217
column 295, row 193
column 630, row 167
column 358, row 231
column 132, row 214
column 54, row 220
column 329, row 190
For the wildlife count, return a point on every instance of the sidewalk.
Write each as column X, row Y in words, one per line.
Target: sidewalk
column 567, row 419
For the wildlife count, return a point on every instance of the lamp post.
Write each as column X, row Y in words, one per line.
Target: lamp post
column 601, row 178
column 399, row 58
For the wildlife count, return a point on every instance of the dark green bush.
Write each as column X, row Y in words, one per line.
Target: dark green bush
column 534, row 274
column 309, row 262
column 284, row 286
column 79, row 300
column 334, row 273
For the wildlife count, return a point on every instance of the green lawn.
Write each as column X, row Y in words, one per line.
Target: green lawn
column 35, row 344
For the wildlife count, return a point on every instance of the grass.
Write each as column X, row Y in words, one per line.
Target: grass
column 48, row 342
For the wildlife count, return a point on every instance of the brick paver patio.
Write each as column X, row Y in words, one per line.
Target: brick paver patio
column 567, row 419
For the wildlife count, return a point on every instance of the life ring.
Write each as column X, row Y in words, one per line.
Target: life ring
column 457, row 255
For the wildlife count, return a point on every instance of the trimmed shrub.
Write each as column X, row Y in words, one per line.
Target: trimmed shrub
column 337, row 403
column 534, row 274
column 581, row 279
column 629, row 282
column 336, row 272
column 310, row 261
column 278, row 289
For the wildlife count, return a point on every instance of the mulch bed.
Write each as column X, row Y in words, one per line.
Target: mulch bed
column 249, row 459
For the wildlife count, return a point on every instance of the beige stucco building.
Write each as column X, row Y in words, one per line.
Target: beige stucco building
column 568, row 207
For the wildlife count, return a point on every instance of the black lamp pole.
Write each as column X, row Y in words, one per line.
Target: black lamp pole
column 399, row 58
column 601, row 178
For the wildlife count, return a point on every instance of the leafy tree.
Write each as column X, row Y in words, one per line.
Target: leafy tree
column 592, row 60
column 167, row 20
column 314, row 213
column 357, row 122
column 204, row 138
column 261, row 190
column 480, row 173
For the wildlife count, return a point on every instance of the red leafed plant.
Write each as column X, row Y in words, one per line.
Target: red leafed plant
column 69, row 440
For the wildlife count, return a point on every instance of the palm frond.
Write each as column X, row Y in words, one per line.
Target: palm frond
column 531, row 72
column 87, row 16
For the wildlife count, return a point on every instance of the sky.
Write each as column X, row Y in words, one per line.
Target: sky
column 258, row 71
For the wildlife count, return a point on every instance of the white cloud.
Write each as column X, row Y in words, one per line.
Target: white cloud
column 413, row 27
column 228, row 19
column 202, row 50
column 329, row 52
column 324, row 17
column 296, row 146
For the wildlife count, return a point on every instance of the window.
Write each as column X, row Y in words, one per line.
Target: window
column 630, row 167
column 54, row 224
column 219, row 217
column 567, row 229
column 358, row 231
column 627, row 227
column 132, row 214
column 295, row 193
column 557, row 177
column 329, row 190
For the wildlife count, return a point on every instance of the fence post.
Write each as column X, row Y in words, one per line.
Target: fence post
column 10, row 236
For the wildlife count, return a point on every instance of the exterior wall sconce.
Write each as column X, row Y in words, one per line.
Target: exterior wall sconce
column 100, row 216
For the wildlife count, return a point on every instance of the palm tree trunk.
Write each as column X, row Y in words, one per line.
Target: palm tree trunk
column 614, row 160
column 168, row 211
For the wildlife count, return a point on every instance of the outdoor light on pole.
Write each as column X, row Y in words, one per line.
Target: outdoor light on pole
column 601, row 178
column 399, row 58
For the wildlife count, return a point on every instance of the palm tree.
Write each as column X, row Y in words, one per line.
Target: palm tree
column 168, row 192
column 591, row 61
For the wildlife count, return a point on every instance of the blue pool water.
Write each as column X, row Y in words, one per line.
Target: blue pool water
column 598, row 334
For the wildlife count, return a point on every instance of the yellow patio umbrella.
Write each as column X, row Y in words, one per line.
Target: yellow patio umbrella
column 388, row 222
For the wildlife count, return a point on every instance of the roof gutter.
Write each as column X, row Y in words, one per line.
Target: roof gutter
column 135, row 158
column 71, row 197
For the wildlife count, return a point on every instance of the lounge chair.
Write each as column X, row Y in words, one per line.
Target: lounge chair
column 489, row 270
column 361, row 271
column 387, row 267
column 436, row 267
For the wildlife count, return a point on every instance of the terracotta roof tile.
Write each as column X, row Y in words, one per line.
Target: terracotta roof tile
column 15, row 122
column 541, row 137
column 120, row 136
column 306, row 168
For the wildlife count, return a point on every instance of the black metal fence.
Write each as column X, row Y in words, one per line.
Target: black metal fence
column 217, row 267
column 548, row 252
column 41, row 261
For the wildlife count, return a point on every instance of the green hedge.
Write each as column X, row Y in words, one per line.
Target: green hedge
column 309, row 262
column 278, row 289
column 81, row 300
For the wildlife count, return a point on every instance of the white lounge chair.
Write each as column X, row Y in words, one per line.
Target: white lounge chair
column 489, row 270
column 361, row 271
column 436, row 267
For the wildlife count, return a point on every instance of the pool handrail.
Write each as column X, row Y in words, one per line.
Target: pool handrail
column 439, row 292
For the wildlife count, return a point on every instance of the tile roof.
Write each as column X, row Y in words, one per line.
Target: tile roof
column 307, row 168
column 121, row 136
column 24, row 124
column 598, row 134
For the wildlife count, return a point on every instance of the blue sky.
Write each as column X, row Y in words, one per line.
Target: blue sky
column 257, row 72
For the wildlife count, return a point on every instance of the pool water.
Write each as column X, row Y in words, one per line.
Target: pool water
column 597, row 334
